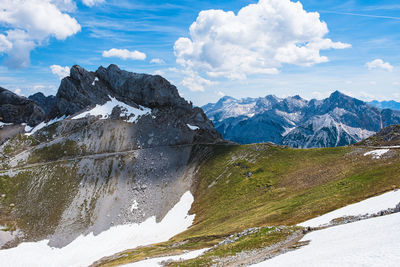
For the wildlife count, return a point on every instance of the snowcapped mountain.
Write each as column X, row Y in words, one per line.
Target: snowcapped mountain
column 335, row 121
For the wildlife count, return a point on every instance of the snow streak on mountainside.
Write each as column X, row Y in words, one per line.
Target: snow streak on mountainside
column 335, row 121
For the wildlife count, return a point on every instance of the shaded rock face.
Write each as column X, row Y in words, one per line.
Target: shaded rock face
column 47, row 103
column 335, row 121
column 17, row 109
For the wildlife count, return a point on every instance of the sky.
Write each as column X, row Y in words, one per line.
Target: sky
column 208, row 49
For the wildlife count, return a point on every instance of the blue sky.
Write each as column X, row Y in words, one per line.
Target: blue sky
column 360, row 31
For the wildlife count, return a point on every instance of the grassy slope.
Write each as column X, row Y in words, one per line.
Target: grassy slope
column 287, row 186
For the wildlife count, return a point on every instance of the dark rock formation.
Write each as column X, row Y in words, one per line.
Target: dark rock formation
column 19, row 109
column 47, row 103
column 83, row 88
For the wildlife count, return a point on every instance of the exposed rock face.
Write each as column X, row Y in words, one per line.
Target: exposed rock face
column 18, row 109
column 335, row 121
column 47, row 103
column 83, row 88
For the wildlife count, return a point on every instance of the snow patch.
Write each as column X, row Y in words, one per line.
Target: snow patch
column 105, row 110
column 95, row 80
column 371, row 242
column 86, row 249
column 157, row 261
column 192, row 127
column 376, row 154
column 134, row 206
column 369, row 206
column 42, row 125
column 4, row 124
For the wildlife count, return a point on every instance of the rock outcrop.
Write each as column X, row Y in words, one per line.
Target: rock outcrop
column 18, row 109
column 389, row 136
column 47, row 103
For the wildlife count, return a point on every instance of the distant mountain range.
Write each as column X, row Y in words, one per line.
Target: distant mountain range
column 335, row 121
column 386, row 104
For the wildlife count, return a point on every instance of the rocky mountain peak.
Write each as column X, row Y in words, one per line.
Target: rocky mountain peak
column 84, row 88
column 19, row 109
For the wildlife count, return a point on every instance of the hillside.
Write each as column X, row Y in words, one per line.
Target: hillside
column 269, row 187
column 335, row 121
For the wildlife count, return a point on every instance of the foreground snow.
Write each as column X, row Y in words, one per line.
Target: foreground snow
column 105, row 110
column 372, row 242
column 86, row 249
column 157, row 261
column 369, row 206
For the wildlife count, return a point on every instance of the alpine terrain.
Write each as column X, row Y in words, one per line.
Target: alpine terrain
column 118, row 169
column 335, row 121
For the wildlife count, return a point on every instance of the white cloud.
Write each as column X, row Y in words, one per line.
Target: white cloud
column 18, row 91
column 31, row 24
column 220, row 94
column 92, row 2
column 124, row 54
column 379, row 64
column 61, row 72
column 157, row 61
column 159, row 72
column 259, row 39
column 194, row 82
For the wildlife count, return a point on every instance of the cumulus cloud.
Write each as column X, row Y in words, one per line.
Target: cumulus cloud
column 157, row 61
column 65, row 5
column 92, row 2
column 259, row 39
column 379, row 64
column 31, row 24
column 124, row 54
column 60, row 71
column 194, row 82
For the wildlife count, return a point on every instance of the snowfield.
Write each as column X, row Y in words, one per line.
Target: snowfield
column 106, row 109
column 371, row 242
column 369, row 206
column 84, row 250
column 376, row 154
column 157, row 261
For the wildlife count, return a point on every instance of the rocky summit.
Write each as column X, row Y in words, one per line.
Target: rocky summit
column 18, row 109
